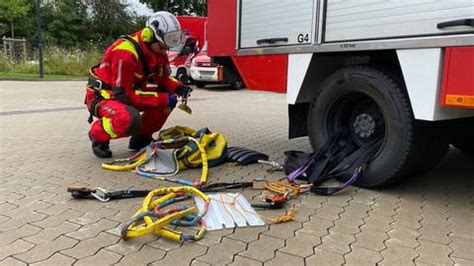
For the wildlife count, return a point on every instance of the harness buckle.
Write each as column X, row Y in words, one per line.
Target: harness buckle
column 103, row 196
column 97, row 84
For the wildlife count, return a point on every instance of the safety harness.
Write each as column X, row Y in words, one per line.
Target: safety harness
column 101, row 89
column 152, row 217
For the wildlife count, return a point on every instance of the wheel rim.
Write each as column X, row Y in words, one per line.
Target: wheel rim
column 358, row 113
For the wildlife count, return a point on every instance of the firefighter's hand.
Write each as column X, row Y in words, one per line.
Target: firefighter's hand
column 183, row 91
column 172, row 100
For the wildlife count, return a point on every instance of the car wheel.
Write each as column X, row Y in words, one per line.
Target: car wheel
column 371, row 105
column 181, row 76
column 237, row 85
column 200, row 84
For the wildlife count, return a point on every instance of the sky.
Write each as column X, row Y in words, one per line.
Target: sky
column 140, row 8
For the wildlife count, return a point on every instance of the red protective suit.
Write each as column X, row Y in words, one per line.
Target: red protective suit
column 127, row 93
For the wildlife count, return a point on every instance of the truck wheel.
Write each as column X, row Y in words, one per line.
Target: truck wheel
column 462, row 135
column 182, row 76
column 200, row 84
column 371, row 105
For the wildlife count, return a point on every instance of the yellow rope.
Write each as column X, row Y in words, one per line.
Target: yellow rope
column 283, row 189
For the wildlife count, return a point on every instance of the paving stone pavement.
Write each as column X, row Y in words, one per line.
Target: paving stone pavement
column 44, row 147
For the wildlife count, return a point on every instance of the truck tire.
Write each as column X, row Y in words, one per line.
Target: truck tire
column 371, row 105
column 462, row 134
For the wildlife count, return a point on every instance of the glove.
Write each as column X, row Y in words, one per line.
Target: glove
column 172, row 100
column 183, row 90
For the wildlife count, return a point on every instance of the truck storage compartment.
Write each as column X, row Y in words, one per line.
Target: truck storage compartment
column 376, row 19
column 276, row 23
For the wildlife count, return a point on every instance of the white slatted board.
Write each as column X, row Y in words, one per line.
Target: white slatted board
column 221, row 215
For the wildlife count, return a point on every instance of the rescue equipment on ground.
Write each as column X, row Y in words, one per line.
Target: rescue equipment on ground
column 244, row 156
column 271, row 201
column 275, row 167
column 154, row 217
column 83, row 191
column 221, row 186
column 229, row 210
column 214, row 145
column 340, row 157
column 177, row 148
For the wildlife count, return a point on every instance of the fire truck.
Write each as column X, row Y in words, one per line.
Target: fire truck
column 402, row 71
column 195, row 37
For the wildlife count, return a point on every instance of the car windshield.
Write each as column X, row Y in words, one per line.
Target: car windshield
column 177, row 48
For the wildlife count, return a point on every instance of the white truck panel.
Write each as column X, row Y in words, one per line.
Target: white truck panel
column 264, row 19
column 298, row 65
column 373, row 19
column 422, row 71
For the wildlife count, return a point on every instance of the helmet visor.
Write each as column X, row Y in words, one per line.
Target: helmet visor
column 173, row 38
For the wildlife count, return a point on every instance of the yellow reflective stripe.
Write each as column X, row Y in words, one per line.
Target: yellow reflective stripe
column 173, row 79
column 127, row 46
column 107, row 125
column 150, row 93
column 105, row 94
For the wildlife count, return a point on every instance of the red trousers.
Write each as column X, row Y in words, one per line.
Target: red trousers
column 118, row 120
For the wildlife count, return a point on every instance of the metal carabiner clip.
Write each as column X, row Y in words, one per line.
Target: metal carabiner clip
column 100, row 197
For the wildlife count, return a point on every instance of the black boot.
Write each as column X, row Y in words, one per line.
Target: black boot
column 100, row 149
column 139, row 142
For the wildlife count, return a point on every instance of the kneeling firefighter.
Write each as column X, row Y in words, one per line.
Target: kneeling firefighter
column 117, row 92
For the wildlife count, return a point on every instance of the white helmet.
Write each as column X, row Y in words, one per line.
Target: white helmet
column 166, row 28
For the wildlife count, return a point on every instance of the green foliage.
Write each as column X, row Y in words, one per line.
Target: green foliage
column 65, row 23
column 76, row 32
column 179, row 7
column 10, row 10
column 5, row 64
column 111, row 19
column 70, row 23
column 57, row 61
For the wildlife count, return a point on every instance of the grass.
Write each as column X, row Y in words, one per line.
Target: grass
column 59, row 64
column 35, row 76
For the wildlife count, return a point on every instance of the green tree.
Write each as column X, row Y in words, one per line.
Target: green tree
column 112, row 18
column 11, row 10
column 66, row 23
column 179, row 7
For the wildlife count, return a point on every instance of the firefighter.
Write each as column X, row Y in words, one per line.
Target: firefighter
column 117, row 92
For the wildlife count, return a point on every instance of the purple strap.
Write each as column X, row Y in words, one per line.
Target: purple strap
column 328, row 191
column 298, row 172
